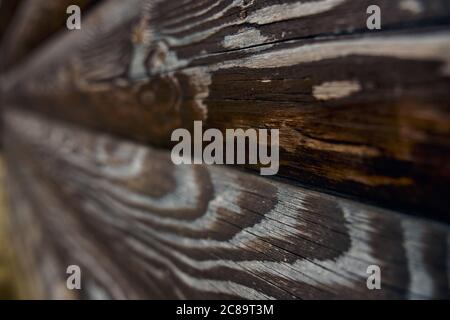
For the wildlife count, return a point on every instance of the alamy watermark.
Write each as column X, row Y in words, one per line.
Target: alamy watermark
column 73, row 22
column 374, row 279
column 73, row 281
column 250, row 146
column 374, row 19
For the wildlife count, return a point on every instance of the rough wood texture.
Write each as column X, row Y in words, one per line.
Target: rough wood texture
column 362, row 113
column 34, row 23
column 141, row 227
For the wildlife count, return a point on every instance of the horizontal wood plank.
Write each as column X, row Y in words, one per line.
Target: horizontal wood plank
column 360, row 113
column 141, row 227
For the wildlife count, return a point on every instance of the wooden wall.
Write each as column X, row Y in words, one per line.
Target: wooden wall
column 364, row 120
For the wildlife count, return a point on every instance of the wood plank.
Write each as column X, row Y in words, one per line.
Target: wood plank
column 360, row 113
column 141, row 227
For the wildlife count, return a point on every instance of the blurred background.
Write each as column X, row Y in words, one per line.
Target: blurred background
column 9, row 284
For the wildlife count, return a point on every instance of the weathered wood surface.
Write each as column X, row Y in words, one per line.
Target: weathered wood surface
column 141, row 227
column 361, row 113
column 33, row 24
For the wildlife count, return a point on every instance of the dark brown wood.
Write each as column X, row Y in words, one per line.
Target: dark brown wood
column 141, row 227
column 360, row 113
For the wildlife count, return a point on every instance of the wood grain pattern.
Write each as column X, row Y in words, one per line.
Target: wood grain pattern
column 141, row 227
column 360, row 113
